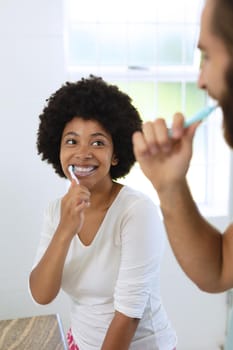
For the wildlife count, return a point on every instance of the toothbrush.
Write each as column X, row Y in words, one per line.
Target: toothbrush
column 71, row 171
column 198, row 117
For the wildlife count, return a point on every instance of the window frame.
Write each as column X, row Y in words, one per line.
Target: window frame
column 169, row 73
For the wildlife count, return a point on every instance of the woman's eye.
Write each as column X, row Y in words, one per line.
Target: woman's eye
column 98, row 143
column 70, row 142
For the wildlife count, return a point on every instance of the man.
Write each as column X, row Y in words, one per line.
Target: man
column 204, row 253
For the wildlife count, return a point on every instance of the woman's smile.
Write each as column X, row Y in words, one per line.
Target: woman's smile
column 81, row 171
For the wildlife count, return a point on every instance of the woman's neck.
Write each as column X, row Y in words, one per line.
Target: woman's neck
column 102, row 198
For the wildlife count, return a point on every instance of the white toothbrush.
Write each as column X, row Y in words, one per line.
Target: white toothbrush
column 71, row 171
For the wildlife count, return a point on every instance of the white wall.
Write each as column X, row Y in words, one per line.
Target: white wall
column 31, row 68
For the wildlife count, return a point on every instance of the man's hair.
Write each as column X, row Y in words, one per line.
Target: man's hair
column 90, row 99
column 222, row 22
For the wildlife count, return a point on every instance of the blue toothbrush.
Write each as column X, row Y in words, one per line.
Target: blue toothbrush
column 199, row 116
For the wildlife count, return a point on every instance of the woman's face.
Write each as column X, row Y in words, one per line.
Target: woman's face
column 87, row 146
column 216, row 58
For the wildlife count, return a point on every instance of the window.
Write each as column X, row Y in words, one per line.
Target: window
column 150, row 53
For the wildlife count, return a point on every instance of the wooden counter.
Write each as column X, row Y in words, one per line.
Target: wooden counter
column 32, row 333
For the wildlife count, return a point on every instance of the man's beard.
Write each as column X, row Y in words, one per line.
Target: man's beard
column 227, row 106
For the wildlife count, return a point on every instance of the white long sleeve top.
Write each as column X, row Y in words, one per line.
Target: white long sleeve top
column 119, row 270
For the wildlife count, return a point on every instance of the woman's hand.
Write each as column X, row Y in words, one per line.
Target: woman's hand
column 73, row 205
column 45, row 278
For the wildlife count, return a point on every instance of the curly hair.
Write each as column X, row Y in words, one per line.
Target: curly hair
column 91, row 99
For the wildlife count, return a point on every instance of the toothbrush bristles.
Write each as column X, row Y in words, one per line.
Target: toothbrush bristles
column 71, row 171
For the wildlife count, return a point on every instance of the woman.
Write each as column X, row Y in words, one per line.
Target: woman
column 98, row 242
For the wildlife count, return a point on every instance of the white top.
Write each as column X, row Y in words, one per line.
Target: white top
column 118, row 271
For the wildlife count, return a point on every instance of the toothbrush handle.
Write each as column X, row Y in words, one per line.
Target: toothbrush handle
column 199, row 116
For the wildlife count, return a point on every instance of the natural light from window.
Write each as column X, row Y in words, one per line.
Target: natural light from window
column 149, row 50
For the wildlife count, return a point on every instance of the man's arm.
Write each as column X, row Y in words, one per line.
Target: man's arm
column 204, row 254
